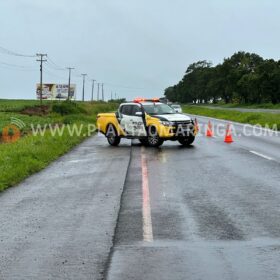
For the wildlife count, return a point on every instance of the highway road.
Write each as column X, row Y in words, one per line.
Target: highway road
column 210, row 211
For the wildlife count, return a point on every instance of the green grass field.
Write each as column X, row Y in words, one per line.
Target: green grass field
column 248, row 106
column 9, row 105
column 32, row 153
column 263, row 119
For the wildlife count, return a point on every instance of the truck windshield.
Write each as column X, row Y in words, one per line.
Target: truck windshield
column 158, row 109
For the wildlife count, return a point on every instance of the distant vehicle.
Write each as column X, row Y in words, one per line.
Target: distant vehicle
column 163, row 100
column 177, row 108
column 148, row 120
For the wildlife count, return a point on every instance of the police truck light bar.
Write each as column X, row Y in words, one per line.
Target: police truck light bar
column 139, row 100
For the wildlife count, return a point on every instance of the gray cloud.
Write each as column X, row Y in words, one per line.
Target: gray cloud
column 144, row 45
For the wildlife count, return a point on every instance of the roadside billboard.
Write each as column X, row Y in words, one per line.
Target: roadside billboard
column 56, row 91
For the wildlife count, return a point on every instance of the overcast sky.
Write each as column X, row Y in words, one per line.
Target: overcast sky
column 136, row 47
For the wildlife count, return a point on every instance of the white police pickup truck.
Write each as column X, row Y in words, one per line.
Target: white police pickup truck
column 149, row 121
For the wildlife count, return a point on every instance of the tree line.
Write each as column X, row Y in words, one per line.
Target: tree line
column 243, row 78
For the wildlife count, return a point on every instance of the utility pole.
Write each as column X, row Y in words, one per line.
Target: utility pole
column 111, row 95
column 69, row 81
column 115, row 96
column 92, row 89
column 102, row 92
column 41, row 60
column 98, row 85
column 84, row 76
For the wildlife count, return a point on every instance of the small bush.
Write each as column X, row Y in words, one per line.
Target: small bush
column 67, row 108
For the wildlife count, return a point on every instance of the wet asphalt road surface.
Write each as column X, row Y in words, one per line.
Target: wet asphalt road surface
column 210, row 211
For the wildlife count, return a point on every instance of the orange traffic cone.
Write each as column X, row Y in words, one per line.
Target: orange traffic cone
column 209, row 130
column 228, row 137
column 196, row 125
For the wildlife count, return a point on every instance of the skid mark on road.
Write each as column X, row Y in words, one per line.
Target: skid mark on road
column 146, row 206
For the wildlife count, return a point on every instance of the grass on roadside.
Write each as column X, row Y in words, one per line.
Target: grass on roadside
column 263, row 119
column 32, row 153
column 247, row 106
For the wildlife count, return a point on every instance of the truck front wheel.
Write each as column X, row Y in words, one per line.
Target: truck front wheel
column 186, row 141
column 153, row 139
column 112, row 136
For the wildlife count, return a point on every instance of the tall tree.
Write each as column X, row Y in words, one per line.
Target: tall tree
column 242, row 78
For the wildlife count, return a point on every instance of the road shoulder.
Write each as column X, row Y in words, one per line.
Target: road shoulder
column 60, row 222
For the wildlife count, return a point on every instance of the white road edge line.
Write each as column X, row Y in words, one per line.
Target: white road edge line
column 146, row 206
column 261, row 155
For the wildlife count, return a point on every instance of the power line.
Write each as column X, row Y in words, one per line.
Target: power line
column 77, row 75
column 55, row 68
column 21, row 67
column 48, row 71
column 9, row 52
column 123, row 86
column 111, row 85
column 54, row 65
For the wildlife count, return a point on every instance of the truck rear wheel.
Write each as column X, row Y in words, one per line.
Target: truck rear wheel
column 186, row 141
column 112, row 136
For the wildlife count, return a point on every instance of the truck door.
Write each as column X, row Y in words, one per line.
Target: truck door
column 132, row 120
column 138, row 126
column 125, row 116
